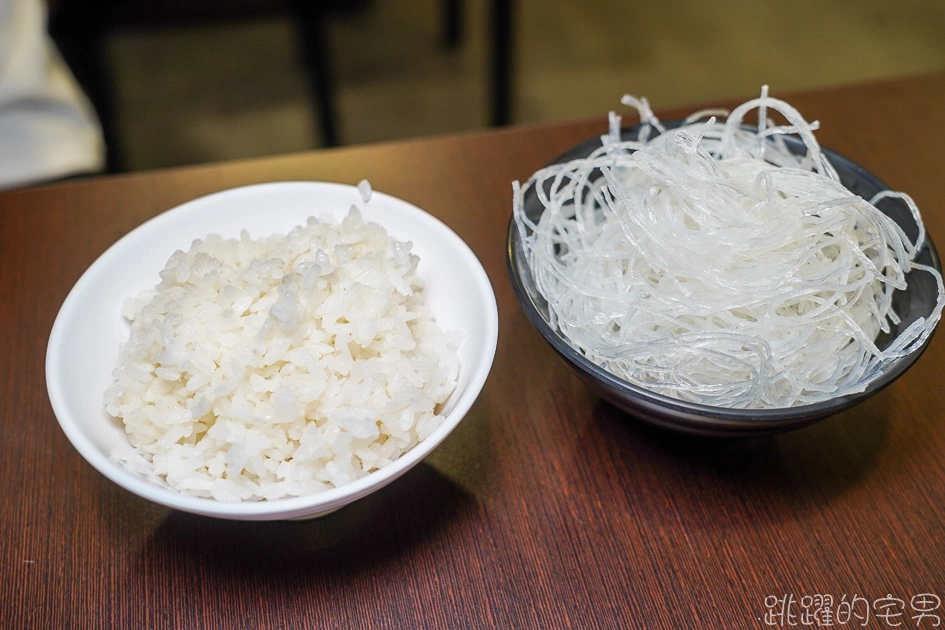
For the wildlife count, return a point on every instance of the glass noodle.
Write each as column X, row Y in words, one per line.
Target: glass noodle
column 711, row 264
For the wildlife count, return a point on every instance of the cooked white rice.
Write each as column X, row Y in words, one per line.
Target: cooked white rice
column 283, row 366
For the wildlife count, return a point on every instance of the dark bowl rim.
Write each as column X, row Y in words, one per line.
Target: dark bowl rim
column 696, row 417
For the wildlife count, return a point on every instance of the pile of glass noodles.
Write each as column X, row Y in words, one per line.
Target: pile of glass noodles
column 711, row 264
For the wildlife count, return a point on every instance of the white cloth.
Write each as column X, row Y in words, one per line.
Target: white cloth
column 48, row 129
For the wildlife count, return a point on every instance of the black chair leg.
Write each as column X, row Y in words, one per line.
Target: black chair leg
column 452, row 23
column 502, row 28
column 316, row 56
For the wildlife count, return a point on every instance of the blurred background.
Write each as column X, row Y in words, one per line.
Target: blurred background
column 230, row 83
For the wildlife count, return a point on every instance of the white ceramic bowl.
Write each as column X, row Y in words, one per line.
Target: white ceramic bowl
column 84, row 343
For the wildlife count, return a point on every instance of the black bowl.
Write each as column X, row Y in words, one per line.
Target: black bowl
column 916, row 301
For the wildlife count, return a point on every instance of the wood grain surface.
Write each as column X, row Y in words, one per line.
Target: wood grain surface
column 547, row 508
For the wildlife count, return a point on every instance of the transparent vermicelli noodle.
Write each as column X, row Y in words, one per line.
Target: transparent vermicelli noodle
column 711, row 264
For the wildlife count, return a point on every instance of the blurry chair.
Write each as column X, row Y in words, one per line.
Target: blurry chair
column 79, row 28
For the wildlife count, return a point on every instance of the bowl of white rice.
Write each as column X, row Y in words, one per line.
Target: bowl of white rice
column 271, row 352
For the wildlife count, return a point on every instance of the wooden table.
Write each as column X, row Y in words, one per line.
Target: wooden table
column 547, row 507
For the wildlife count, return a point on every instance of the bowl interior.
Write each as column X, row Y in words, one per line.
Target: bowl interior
column 915, row 302
column 84, row 343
